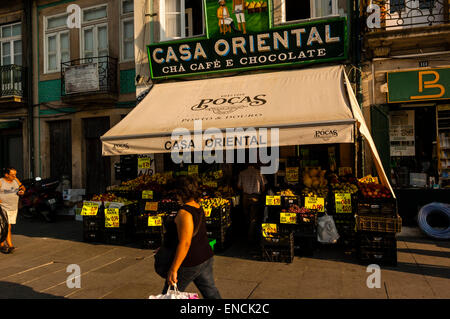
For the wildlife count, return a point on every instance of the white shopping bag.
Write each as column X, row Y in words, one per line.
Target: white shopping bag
column 175, row 294
column 326, row 230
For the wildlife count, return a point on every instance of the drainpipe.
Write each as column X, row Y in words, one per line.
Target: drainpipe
column 29, row 82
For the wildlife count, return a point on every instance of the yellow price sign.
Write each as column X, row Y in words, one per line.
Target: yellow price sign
column 292, row 174
column 112, row 217
column 151, row 206
column 144, row 163
column 207, row 211
column 147, row 194
column 343, row 203
column 316, row 203
column 369, row 179
column 193, row 170
column 90, row 209
column 273, row 200
column 269, row 229
column 288, row 218
column 154, row 221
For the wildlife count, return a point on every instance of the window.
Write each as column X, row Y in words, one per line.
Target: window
column 181, row 18
column 56, row 42
column 11, row 44
column 407, row 5
column 127, row 31
column 292, row 10
column 94, row 32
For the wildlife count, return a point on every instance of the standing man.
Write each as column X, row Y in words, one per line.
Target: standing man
column 10, row 190
column 238, row 10
column 252, row 183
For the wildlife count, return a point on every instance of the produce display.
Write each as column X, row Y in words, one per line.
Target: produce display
column 207, row 203
column 315, row 182
column 343, row 185
column 109, row 197
column 286, row 192
column 373, row 190
column 144, row 182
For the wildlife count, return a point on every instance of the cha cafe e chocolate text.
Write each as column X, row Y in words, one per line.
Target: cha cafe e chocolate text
column 247, row 48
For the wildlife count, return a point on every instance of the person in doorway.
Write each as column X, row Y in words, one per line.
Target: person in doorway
column 193, row 261
column 252, row 183
column 238, row 10
column 10, row 190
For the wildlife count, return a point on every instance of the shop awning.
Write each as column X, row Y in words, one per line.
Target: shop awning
column 310, row 106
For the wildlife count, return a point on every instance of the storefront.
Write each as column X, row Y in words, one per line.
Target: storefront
column 419, row 132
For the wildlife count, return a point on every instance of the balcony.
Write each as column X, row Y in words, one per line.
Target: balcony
column 12, row 79
column 89, row 80
column 406, row 26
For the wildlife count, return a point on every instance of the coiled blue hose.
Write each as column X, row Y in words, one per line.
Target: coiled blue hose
column 426, row 228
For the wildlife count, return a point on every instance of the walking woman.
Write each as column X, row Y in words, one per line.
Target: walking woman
column 193, row 261
column 10, row 190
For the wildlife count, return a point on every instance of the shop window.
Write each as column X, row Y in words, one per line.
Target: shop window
column 127, row 31
column 94, row 34
column 56, row 42
column 181, row 19
column 293, row 10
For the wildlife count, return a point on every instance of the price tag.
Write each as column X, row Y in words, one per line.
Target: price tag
column 273, row 200
column 144, row 162
column 154, row 221
column 369, row 179
column 207, row 211
column 90, row 209
column 269, row 229
column 343, row 203
column 193, row 170
column 288, row 218
column 151, row 206
column 112, row 217
column 317, row 203
column 292, row 174
column 218, row 174
column 147, row 194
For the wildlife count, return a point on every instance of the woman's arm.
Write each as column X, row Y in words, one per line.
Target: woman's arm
column 21, row 187
column 185, row 228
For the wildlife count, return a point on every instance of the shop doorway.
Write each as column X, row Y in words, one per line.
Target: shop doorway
column 98, row 167
column 60, row 149
column 11, row 150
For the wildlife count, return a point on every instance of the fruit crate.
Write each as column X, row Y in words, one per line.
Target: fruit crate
column 141, row 224
column 95, row 236
column 384, row 207
column 304, row 245
column 222, row 235
column 287, row 201
column 331, row 209
column 379, row 256
column 93, row 223
column 278, row 254
column 217, row 222
column 117, row 236
column 302, row 228
column 278, row 239
column 379, row 224
column 150, row 241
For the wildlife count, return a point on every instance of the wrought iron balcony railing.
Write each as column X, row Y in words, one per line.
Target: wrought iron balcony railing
column 402, row 14
column 12, row 80
column 89, row 76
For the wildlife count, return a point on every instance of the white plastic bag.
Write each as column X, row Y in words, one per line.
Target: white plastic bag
column 175, row 294
column 326, row 230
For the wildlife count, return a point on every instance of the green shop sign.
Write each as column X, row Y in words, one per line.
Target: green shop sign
column 311, row 42
column 418, row 85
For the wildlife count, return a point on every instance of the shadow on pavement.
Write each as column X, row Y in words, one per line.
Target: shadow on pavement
column 433, row 253
column 9, row 290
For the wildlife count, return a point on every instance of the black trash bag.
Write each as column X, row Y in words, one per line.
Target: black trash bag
column 3, row 225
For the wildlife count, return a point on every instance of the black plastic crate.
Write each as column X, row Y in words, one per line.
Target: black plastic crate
column 141, row 224
column 278, row 239
column 304, row 245
column 385, row 256
column 93, row 223
column 117, row 237
column 93, row 236
column 217, row 222
column 303, row 228
column 331, row 209
column 287, row 201
column 278, row 254
column 373, row 206
column 220, row 234
column 376, row 240
column 150, row 241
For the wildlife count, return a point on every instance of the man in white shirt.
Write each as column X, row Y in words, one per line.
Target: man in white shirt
column 252, row 183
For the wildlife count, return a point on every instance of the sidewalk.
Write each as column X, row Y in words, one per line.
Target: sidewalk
column 37, row 269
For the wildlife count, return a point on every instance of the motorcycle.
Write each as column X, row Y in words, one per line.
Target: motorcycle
column 41, row 199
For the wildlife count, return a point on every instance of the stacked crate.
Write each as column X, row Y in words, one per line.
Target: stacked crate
column 377, row 222
column 121, row 233
column 93, row 225
column 277, row 246
column 218, row 226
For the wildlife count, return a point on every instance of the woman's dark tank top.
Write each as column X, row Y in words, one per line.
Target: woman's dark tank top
column 200, row 250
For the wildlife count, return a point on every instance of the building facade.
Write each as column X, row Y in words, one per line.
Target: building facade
column 84, row 83
column 406, row 86
column 15, row 100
